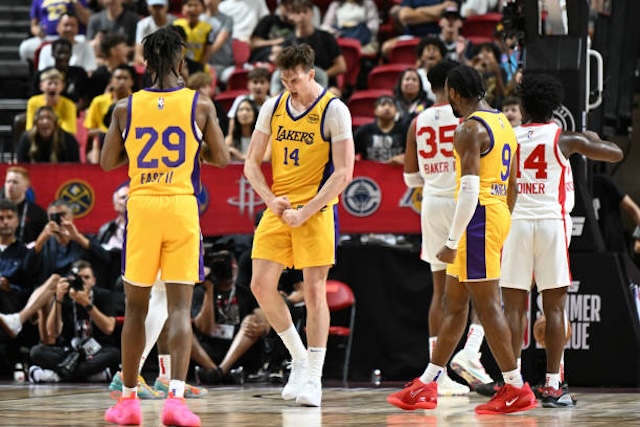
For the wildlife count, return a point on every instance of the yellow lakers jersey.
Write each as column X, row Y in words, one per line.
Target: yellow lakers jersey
column 163, row 142
column 197, row 38
column 301, row 155
column 495, row 162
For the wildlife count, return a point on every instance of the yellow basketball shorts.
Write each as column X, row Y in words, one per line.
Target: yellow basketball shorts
column 480, row 247
column 313, row 244
column 162, row 233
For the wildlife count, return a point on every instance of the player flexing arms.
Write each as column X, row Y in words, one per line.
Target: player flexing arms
column 309, row 131
column 538, row 243
column 163, row 132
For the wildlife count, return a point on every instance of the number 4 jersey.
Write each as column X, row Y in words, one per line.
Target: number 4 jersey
column 545, row 182
column 162, row 141
column 435, row 127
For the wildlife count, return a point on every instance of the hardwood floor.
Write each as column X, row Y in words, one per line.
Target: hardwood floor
column 261, row 406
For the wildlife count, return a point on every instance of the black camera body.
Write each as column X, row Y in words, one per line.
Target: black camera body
column 56, row 217
column 75, row 281
column 221, row 264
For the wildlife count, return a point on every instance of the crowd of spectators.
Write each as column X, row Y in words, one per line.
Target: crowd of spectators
column 87, row 55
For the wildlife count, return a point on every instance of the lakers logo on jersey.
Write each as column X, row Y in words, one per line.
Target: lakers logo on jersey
column 412, row 198
column 362, row 197
column 284, row 134
column 79, row 195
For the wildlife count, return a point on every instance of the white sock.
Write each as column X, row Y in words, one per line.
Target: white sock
column 129, row 391
column 176, row 387
column 316, row 361
column 156, row 316
column 552, row 380
column 519, row 363
column 164, row 366
column 292, row 341
column 432, row 346
column 432, row 373
column 474, row 339
column 513, row 377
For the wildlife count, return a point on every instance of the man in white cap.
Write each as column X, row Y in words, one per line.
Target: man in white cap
column 159, row 17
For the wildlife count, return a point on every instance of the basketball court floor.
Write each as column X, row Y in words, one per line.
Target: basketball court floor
column 261, row 406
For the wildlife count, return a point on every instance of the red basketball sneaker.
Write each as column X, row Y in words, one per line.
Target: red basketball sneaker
column 416, row 395
column 509, row 399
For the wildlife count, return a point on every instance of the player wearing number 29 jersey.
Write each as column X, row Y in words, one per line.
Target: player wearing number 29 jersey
column 163, row 143
column 163, row 146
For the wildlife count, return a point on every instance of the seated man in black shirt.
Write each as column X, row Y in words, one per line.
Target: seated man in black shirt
column 82, row 322
column 384, row 139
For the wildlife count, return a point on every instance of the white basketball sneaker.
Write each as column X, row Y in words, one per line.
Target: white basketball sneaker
column 296, row 380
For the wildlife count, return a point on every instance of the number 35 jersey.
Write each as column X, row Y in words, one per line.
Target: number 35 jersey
column 545, row 182
column 162, row 141
column 300, row 153
column 435, row 127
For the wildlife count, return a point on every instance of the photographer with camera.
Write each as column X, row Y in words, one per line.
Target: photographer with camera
column 228, row 326
column 60, row 244
column 82, row 322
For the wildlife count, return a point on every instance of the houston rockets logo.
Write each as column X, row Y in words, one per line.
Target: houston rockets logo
column 247, row 200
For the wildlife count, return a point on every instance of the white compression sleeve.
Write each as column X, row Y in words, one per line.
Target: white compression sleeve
column 465, row 208
column 413, row 180
column 156, row 316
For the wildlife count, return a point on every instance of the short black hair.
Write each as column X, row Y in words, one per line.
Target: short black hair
column 61, row 42
column 6, row 205
column 466, row 81
column 431, row 40
column 437, row 75
column 540, row 95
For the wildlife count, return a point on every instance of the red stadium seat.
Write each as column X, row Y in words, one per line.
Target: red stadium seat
column 386, row 76
column 238, row 79
column 481, row 25
column 404, row 51
column 351, row 50
column 226, row 98
column 361, row 102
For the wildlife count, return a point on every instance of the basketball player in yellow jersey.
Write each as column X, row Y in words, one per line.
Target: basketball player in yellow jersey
column 485, row 146
column 163, row 132
column 309, row 131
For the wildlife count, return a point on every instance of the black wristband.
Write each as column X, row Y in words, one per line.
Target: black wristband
column 88, row 307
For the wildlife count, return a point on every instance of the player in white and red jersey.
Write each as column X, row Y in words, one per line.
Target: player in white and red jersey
column 430, row 164
column 538, row 242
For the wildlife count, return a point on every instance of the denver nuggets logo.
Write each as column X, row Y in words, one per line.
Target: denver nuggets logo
column 362, row 197
column 79, row 195
column 203, row 200
column 160, row 103
column 313, row 118
column 412, row 198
